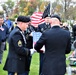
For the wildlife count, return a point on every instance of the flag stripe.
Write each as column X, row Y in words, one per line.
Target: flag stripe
column 36, row 18
column 37, row 21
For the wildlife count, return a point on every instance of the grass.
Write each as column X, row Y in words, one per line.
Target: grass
column 34, row 69
column 2, row 72
column 35, row 65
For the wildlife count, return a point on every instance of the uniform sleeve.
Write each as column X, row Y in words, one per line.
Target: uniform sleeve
column 20, row 48
column 7, row 33
column 38, row 28
column 68, row 48
column 40, row 43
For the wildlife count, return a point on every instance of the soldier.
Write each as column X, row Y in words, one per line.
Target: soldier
column 57, row 43
column 17, row 59
column 29, row 40
column 42, row 28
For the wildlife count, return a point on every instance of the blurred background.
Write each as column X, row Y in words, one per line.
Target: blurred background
column 65, row 8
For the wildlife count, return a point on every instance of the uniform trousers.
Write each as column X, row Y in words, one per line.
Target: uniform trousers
column 2, row 46
column 29, row 62
column 41, row 63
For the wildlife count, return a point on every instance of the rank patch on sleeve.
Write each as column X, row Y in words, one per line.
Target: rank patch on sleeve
column 19, row 43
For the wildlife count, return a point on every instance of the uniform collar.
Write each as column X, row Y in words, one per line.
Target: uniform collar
column 47, row 23
column 18, row 28
column 55, row 26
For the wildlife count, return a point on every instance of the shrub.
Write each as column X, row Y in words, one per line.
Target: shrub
column 1, row 12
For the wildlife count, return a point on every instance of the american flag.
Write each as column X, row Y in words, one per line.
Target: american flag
column 36, row 18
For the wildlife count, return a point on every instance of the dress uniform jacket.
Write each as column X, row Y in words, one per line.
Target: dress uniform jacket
column 42, row 27
column 29, row 39
column 57, row 44
column 18, row 53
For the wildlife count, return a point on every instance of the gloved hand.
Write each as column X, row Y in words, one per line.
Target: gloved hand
column 32, row 51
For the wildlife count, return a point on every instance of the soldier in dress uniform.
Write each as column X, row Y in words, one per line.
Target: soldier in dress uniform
column 57, row 42
column 42, row 28
column 29, row 40
column 17, row 59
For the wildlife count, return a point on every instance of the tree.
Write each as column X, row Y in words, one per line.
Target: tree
column 27, row 7
column 8, row 6
column 21, row 5
column 31, row 7
column 1, row 12
column 43, row 6
column 66, row 8
column 4, row 7
column 57, row 8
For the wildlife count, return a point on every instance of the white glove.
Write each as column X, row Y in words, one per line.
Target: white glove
column 32, row 51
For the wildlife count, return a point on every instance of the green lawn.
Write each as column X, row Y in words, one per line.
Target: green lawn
column 2, row 72
column 34, row 64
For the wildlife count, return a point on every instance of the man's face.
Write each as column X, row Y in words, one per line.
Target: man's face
column 1, row 21
column 25, row 26
column 47, row 19
column 6, row 17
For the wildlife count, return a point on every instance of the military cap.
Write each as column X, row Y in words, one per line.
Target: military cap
column 56, row 16
column 23, row 19
column 47, row 15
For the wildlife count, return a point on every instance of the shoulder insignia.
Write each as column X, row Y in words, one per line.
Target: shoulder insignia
column 19, row 43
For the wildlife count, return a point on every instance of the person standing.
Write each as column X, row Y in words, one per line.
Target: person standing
column 57, row 43
column 65, row 26
column 29, row 40
column 17, row 59
column 4, row 33
column 42, row 28
column 74, row 31
column 10, row 26
column 9, row 23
